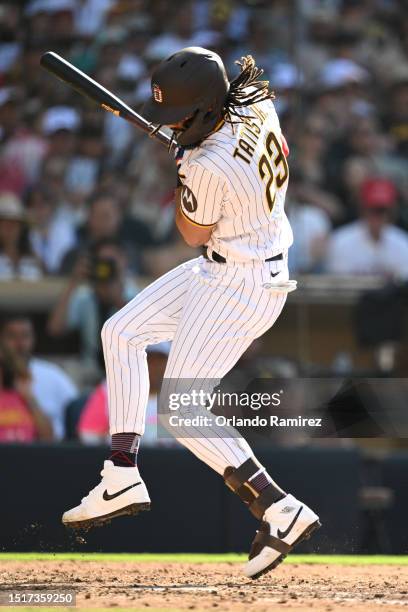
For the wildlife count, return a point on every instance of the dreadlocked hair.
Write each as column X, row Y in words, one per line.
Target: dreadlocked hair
column 239, row 96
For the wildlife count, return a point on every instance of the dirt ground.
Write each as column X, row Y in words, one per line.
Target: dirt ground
column 216, row 586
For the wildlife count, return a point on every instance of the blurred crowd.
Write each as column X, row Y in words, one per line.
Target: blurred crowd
column 84, row 195
column 39, row 401
column 72, row 175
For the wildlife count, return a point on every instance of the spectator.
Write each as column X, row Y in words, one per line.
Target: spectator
column 83, row 169
column 310, row 152
column 10, row 45
column 365, row 152
column 98, row 287
column 90, row 16
column 339, row 70
column 61, row 124
column 50, row 385
column 93, row 426
column 311, row 230
column 396, row 117
column 51, row 236
column 371, row 245
column 105, row 222
column 179, row 33
column 21, row 419
column 16, row 258
column 22, row 149
column 153, row 191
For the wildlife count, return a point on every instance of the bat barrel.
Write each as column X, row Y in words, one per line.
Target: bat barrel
column 86, row 86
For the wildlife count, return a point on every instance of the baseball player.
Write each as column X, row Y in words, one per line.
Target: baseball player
column 233, row 175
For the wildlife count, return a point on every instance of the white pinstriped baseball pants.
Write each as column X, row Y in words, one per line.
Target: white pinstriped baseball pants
column 212, row 312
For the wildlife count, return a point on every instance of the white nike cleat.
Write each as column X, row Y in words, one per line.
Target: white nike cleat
column 120, row 492
column 285, row 524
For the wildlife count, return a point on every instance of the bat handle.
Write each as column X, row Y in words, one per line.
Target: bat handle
column 157, row 134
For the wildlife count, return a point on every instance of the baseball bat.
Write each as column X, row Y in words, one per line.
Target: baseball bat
column 86, row 86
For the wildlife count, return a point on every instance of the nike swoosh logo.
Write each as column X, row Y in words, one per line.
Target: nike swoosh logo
column 108, row 497
column 283, row 534
column 274, row 274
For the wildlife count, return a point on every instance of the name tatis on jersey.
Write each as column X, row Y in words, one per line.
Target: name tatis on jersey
column 249, row 133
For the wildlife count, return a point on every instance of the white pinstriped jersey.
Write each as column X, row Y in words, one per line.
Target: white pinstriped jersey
column 211, row 312
column 236, row 180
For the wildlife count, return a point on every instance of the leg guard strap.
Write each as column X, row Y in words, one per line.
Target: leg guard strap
column 266, row 498
column 263, row 538
column 237, row 480
column 236, row 477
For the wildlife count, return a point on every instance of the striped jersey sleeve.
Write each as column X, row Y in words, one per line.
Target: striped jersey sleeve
column 201, row 197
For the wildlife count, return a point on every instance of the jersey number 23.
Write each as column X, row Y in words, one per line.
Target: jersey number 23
column 273, row 157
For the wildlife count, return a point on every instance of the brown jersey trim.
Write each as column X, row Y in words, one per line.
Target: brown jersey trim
column 195, row 222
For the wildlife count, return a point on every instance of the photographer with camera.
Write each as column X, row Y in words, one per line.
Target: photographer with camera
column 98, row 287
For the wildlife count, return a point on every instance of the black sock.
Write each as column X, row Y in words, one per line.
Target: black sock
column 124, row 449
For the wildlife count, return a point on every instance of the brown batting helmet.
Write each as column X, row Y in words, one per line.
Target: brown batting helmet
column 191, row 84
